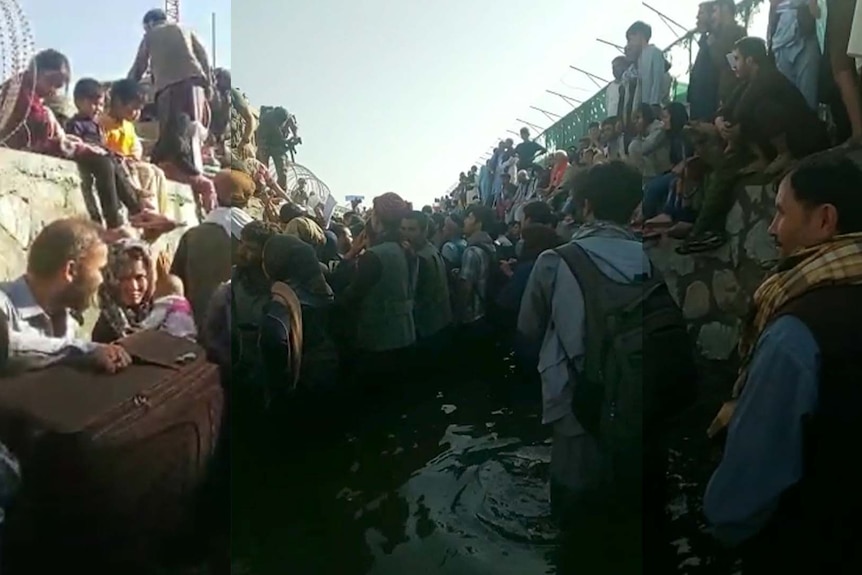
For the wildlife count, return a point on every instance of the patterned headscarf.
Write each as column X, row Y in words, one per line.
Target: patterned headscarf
column 290, row 260
column 125, row 320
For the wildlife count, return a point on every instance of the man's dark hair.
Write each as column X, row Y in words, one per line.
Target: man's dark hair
column 524, row 129
column 223, row 74
column 620, row 60
column 155, row 16
column 127, row 92
column 61, row 242
column 648, row 113
column 427, row 210
column 438, row 220
column 610, row 121
column 51, row 61
column 457, row 218
column 613, row 190
column 754, row 48
column 594, row 125
column 290, row 211
column 258, row 233
column 640, row 28
column 728, row 5
column 831, row 178
column 538, row 212
column 484, row 215
column 88, row 89
column 420, row 218
column 338, row 229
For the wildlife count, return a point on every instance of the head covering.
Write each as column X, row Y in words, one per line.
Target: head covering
column 390, row 207
column 125, row 320
column 290, row 260
column 233, row 187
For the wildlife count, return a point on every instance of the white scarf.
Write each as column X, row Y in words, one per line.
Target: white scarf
column 233, row 220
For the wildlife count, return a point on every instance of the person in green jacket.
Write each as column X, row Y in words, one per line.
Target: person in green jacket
column 272, row 140
column 380, row 296
column 432, row 310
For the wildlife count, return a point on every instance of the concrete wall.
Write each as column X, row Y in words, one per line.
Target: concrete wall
column 36, row 190
column 715, row 289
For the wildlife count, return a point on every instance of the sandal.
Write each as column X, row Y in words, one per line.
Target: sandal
column 705, row 243
column 680, row 230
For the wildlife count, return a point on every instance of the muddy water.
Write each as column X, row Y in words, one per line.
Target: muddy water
column 447, row 477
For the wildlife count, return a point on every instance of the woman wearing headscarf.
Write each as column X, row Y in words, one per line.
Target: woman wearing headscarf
column 381, row 295
column 126, row 296
column 295, row 343
column 29, row 125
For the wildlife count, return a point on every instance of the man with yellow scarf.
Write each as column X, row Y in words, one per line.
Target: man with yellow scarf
column 788, row 492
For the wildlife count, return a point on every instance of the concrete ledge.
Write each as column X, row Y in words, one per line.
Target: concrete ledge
column 36, row 190
column 714, row 289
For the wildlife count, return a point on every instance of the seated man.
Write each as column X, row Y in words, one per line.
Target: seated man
column 766, row 124
column 40, row 307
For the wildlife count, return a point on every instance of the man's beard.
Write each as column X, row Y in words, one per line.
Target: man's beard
column 79, row 296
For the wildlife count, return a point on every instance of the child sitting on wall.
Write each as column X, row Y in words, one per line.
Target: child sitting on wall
column 111, row 188
column 127, row 98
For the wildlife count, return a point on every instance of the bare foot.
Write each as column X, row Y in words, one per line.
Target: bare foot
column 755, row 167
column 779, row 164
column 659, row 220
column 680, row 230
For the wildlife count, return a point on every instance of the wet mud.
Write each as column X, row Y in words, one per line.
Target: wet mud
column 443, row 476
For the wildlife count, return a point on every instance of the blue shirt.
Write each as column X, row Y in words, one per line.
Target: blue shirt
column 763, row 454
column 33, row 344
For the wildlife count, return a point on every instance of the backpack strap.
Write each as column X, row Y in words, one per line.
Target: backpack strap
column 282, row 293
column 590, row 279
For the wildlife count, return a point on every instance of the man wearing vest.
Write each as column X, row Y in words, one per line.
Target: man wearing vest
column 381, row 296
column 787, row 491
column 432, row 311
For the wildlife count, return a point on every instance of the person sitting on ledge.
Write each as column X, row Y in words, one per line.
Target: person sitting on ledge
column 766, row 124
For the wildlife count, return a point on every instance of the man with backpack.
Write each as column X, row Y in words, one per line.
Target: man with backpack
column 614, row 359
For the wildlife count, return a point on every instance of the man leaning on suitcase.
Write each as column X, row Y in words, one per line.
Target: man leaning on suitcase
column 40, row 308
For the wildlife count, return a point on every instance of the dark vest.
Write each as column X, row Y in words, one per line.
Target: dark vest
column 818, row 525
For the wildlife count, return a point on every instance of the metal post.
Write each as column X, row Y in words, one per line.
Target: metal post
column 214, row 38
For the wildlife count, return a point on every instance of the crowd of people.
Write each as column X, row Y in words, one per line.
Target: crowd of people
column 753, row 106
column 543, row 261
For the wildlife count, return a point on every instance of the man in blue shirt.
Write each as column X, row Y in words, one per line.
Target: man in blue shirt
column 786, row 492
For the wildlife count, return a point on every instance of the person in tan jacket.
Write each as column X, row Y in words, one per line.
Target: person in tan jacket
column 181, row 76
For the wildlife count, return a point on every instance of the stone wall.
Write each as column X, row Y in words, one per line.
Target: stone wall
column 714, row 289
column 36, row 190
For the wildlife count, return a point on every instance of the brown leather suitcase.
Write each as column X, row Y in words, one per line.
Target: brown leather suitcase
column 110, row 463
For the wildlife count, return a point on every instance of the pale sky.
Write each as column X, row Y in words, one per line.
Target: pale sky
column 101, row 37
column 402, row 95
column 391, row 95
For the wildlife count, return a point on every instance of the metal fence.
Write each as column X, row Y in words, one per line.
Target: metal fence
column 573, row 126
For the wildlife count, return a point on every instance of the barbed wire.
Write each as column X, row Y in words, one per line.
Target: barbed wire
column 17, row 48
